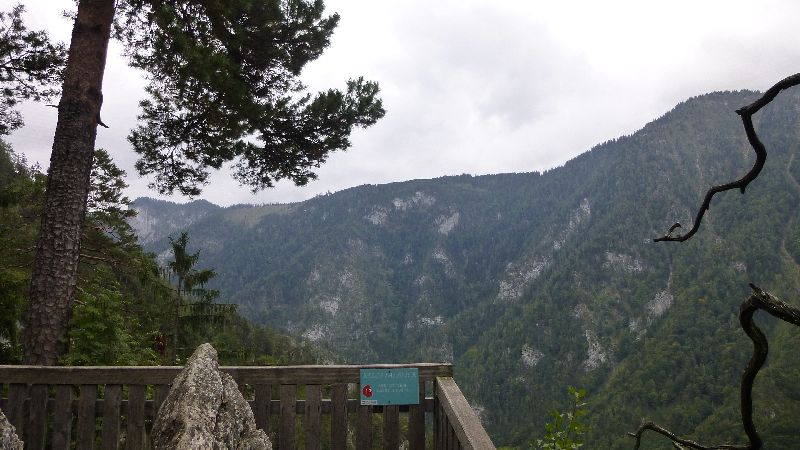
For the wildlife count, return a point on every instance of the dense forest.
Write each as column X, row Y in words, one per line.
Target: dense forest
column 529, row 282
column 129, row 310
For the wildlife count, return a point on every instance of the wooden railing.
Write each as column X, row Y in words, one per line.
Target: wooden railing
column 309, row 407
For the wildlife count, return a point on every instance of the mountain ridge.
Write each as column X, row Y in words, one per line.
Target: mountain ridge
column 531, row 281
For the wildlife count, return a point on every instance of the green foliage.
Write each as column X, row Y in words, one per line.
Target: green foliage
column 21, row 193
column 30, row 67
column 106, row 203
column 225, row 87
column 124, row 302
column 100, row 331
column 566, row 430
column 191, row 282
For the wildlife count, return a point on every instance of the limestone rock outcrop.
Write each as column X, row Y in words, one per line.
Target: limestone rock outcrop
column 8, row 435
column 205, row 410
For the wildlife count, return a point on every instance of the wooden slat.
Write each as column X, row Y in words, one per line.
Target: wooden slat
column 443, row 430
column 465, row 423
column 86, row 417
column 262, row 406
column 134, row 438
column 339, row 417
column 288, row 414
column 160, row 394
column 62, row 417
column 126, row 375
column 391, row 427
column 438, row 425
column 313, row 416
column 416, row 421
column 274, row 409
column 36, row 425
column 112, row 400
column 364, row 428
column 17, row 393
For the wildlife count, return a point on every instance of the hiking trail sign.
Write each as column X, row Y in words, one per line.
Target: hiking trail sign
column 389, row 386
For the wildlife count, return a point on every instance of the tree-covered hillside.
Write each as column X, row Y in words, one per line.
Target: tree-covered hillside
column 530, row 282
column 127, row 312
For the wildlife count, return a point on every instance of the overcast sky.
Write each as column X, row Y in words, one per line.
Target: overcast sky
column 484, row 86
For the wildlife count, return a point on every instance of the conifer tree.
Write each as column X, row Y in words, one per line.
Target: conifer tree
column 30, row 67
column 183, row 267
column 224, row 87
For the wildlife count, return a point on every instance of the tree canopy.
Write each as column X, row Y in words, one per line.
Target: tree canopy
column 30, row 67
column 225, row 86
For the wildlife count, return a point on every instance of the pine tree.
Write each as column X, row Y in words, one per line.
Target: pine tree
column 224, row 87
column 30, row 67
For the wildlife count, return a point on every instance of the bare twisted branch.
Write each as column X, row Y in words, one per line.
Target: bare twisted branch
column 758, row 300
column 678, row 442
column 765, row 301
column 746, row 113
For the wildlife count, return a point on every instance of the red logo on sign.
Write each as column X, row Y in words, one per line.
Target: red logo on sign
column 367, row 391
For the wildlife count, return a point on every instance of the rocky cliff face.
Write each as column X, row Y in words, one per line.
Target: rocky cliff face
column 157, row 219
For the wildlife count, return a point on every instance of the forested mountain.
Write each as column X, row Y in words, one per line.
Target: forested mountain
column 532, row 281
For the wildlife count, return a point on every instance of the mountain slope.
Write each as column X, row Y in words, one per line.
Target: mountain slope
column 529, row 282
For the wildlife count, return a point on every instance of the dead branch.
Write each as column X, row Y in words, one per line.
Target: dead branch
column 100, row 259
column 746, row 114
column 678, row 442
column 758, row 300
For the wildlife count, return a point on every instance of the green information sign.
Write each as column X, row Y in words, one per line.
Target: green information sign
column 390, row 386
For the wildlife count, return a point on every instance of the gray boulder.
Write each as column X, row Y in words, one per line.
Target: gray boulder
column 204, row 410
column 8, row 435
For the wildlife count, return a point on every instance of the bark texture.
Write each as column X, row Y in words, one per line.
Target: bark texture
column 58, row 247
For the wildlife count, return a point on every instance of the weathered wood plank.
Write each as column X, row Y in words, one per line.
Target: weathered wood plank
column 416, row 421
column 36, row 426
column 445, row 434
column 112, row 400
column 134, row 438
column 126, row 375
column 339, row 417
column 313, row 417
column 86, row 417
column 364, row 428
column 263, row 402
column 465, row 423
column 391, row 428
column 62, row 417
column 288, row 415
column 16, row 414
column 438, row 424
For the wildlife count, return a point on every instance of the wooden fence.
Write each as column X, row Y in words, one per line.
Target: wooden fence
column 309, row 407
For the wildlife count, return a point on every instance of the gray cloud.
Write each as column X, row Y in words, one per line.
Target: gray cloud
column 481, row 86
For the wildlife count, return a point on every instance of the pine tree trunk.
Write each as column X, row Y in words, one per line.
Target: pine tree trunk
column 58, row 249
